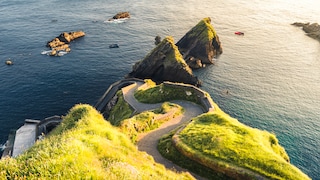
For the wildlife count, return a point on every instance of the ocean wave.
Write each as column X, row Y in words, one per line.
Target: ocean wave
column 46, row 52
column 59, row 53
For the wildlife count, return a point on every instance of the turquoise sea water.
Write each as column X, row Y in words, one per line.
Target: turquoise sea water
column 272, row 73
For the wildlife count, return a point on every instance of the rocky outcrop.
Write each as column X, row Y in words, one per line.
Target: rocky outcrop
column 9, row 62
column 61, row 43
column 312, row 30
column 120, row 15
column 164, row 63
column 200, row 45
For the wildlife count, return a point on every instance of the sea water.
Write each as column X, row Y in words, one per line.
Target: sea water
column 267, row 79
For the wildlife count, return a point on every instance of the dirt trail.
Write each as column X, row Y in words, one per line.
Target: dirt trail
column 148, row 141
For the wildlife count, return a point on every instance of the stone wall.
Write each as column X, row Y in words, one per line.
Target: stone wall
column 203, row 97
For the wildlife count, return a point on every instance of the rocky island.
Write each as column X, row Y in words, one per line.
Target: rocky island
column 200, row 45
column 174, row 62
column 61, row 42
column 164, row 63
column 120, row 15
column 312, row 30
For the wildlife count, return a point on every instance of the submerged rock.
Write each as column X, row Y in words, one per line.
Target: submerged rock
column 201, row 42
column 312, row 30
column 164, row 63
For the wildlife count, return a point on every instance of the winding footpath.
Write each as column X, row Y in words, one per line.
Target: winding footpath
column 148, row 141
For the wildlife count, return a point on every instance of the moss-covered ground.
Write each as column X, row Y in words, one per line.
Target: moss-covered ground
column 85, row 146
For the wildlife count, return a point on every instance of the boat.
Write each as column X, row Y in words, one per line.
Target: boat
column 238, row 33
column 114, row 46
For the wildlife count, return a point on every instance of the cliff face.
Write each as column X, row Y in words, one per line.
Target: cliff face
column 200, row 43
column 164, row 63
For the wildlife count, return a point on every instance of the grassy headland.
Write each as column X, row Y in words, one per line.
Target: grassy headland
column 225, row 145
column 85, row 146
column 219, row 142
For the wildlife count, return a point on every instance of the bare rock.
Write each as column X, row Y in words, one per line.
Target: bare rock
column 157, row 40
column 164, row 63
column 61, row 43
column 312, row 30
column 120, row 15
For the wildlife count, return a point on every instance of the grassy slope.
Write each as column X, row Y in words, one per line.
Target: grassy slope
column 218, row 136
column 203, row 30
column 220, row 139
column 149, row 120
column 120, row 111
column 85, row 146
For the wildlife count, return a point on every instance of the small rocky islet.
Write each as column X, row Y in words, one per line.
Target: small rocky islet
column 60, row 44
column 311, row 29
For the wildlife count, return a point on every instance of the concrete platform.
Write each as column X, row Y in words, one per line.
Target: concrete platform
column 25, row 138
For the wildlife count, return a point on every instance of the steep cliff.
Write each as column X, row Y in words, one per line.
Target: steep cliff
column 200, row 43
column 164, row 63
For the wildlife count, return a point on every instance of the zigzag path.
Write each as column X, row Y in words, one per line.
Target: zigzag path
column 148, row 141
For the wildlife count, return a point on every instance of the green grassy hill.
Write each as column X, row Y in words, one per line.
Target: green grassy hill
column 85, row 146
column 214, row 145
column 223, row 144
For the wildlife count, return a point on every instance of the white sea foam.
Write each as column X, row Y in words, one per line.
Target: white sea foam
column 46, row 52
column 2, row 146
column 116, row 21
column 61, row 53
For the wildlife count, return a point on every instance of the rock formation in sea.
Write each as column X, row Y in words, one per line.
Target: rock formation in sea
column 164, row 63
column 61, row 43
column 120, row 15
column 200, row 45
column 312, row 30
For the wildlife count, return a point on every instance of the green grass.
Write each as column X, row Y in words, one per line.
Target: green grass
column 149, row 120
column 120, row 111
column 162, row 93
column 168, row 151
column 85, row 146
column 203, row 30
column 218, row 141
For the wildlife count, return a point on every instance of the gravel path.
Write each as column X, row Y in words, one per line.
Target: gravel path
column 148, row 141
